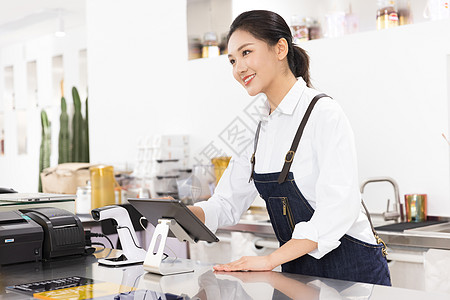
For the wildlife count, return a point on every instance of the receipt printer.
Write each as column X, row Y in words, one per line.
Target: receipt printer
column 63, row 231
column 20, row 238
column 39, row 233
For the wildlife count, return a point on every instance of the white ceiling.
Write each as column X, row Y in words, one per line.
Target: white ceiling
column 25, row 19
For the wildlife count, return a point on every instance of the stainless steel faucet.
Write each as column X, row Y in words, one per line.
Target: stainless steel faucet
column 388, row 214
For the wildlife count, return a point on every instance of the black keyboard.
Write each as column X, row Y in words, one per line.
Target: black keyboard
column 50, row 285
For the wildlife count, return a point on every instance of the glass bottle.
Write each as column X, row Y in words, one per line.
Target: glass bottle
column 195, row 48
column 404, row 12
column 210, row 45
column 314, row 30
column 102, row 186
column 83, row 203
column 2, row 143
column 299, row 29
column 387, row 16
column 223, row 46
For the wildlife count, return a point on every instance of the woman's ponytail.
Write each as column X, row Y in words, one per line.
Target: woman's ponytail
column 299, row 63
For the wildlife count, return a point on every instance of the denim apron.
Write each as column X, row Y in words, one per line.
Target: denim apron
column 353, row 260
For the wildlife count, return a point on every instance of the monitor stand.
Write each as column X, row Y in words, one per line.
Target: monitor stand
column 154, row 262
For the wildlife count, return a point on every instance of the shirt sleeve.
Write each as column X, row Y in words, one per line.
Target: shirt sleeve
column 233, row 195
column 337, row 191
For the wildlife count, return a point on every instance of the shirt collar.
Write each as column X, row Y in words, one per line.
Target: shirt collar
column 289, row 102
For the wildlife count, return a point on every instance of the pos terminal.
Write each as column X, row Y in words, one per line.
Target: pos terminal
column 171, row 215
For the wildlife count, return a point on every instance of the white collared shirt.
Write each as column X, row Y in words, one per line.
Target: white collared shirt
column 324, row 169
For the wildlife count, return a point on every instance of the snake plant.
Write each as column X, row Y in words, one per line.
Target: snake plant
column 64, row 137
column 45, row 149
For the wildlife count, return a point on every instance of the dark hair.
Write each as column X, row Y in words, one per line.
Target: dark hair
column 270, row 27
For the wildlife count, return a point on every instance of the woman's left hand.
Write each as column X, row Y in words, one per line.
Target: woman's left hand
column 247, row 263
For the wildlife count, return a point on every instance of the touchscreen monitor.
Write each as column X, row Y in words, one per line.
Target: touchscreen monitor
column 155, row 209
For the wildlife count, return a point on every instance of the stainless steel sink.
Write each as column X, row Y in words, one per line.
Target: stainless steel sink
column 442, row 229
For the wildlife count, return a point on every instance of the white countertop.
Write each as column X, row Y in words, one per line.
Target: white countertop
column 203, row 283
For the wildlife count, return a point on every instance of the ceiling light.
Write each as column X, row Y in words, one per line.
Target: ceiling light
column 60, row 26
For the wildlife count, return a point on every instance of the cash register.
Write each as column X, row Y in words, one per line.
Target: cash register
column 21, row 238
column 40, row 233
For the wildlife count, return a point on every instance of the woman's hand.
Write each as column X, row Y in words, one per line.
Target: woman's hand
column 293, row 249
column 247, row 263
column 198, row 212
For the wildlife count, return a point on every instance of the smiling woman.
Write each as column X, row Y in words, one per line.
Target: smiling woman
column 270, row 45
column 311, row 193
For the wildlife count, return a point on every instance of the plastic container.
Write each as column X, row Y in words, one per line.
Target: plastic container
column 220, row 165
column 165, row 185
column 437, row 10
column 167, row 141
column 335, row 24
column 351, row 21
column 203, row 182
column 102, row 186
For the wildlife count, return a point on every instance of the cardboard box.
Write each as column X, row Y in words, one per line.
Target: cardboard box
column 65, row 178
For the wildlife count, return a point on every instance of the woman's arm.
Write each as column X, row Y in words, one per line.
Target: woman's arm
column 198, row 212
column 233, row 195
column 337, row 197
column 293, row 249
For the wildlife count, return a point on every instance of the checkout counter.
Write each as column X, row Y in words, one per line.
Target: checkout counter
column 133, row 282
column 203, row 283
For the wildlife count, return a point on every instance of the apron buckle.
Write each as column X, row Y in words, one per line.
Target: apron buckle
column 384, row 248
column 289, row 156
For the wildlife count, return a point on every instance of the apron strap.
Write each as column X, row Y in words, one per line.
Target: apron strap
column 252, row 160
column 290, row 155
column 375, row 234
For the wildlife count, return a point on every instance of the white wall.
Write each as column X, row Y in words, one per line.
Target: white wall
column 21, row 171
column 285, row 8
column 137, row 76
column 217, row 99
column 394, row 89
